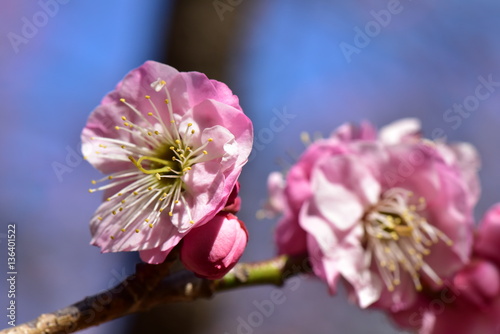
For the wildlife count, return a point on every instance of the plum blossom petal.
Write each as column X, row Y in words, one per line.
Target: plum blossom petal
column 400, row 131
column 348, row 132
column 470, row 301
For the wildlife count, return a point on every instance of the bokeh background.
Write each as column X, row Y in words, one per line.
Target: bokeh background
column 313, row 65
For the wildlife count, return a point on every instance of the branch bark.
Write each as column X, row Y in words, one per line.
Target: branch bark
column 153, row 285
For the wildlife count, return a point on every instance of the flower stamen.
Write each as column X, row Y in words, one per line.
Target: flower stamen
column 398, row 237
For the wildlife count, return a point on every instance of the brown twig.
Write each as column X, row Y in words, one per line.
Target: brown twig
column 149, row 288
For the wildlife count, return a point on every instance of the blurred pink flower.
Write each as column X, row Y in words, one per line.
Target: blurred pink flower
column 211, row 250
column 471, row 301
column 173, row 145
column 387, row 214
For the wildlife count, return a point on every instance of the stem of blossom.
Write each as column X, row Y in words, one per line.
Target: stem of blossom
column 274, row 271
column 151, row 286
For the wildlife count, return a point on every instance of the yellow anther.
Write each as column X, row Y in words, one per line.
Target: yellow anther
column 119, row 194
column 146, row 220
column 91, row 190
column 122, row 100
column 110, row 177
column 93, row 181
column 161, row 209
column 150, row 225
column 191, row 222
column 112, row 238
column 135, row 193
column 150, row 114
column 192, row 132
column 157, row 132
column 103, row 146
column 108, row 199
column 113, row 212
column 123, row 230
column 137, row 231
column 210, row 139
column 124, row 118
column 177, row 141
column 147, row 97
column 149, row 133
column 170, row 213
column 190, row 124
column 150, row 188
column 120, row 209
column 123, row 201
column 176, row 202
column 117, row 127
column 157, row 175
column 99, row 218
column 167, row 101
column 123, row 146
column 126, row 124
column 172, row 121
column 205, row 152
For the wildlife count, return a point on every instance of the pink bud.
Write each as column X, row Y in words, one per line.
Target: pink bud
column 479, row 282
column 488, row 236
column 212, row 249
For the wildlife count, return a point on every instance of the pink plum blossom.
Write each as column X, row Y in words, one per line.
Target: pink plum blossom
column 470, row 303
column 212, row 249
column 390, row 214
column 172, row 145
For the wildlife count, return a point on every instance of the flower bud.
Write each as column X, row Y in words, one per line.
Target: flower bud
column 478, row 282
column 212, row 249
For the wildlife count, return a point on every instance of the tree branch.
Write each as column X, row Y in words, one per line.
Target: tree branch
column 151, row 286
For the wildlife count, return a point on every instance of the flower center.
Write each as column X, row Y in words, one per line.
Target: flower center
column 161, row 154
column 398, row 237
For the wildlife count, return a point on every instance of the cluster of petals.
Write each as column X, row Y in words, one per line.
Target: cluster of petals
column 470, row 302
column 390, row 212
column 172, row 145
